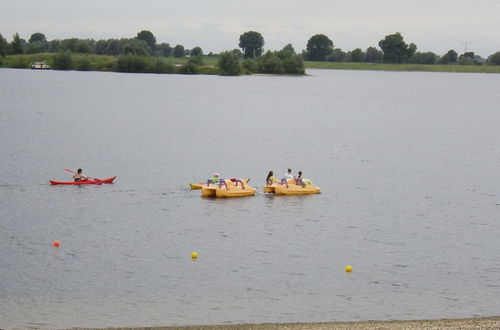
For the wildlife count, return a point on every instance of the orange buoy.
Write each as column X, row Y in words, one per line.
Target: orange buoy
column 55, row 243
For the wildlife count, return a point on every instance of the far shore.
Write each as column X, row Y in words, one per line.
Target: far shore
column 485, row 68
column 106, row 63
column 463, row 324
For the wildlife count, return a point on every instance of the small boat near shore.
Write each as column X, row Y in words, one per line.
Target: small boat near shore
column 89, row 181
column 40, row 66
column 228, row 188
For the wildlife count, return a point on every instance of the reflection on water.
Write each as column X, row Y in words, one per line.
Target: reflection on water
column 406, row 163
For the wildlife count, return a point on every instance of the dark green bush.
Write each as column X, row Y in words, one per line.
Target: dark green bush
column 494, row 59
column 159, row 65
column 270, row 63
column 20, row 62
column 62, row 61
column 189, row 68
column 131, row 63
column 198, row 60
column 229, row 64
column 83, row 64
column 249, row 66
column 293, row 64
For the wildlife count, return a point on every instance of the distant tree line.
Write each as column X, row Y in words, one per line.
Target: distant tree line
column 393, row 49
column 144, row 44
column 133, row 53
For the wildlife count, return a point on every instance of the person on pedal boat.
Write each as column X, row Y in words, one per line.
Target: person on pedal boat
column 288, row 174
column 302, row 181
column 299, row 181
column 271, row 179
column 214, row 179
column 78, row 176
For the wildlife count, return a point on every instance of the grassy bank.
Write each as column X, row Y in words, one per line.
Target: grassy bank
column 92, row 62
column 403, row 67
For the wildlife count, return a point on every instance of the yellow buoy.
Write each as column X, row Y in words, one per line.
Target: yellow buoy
column 194, row 255
column 348, row 268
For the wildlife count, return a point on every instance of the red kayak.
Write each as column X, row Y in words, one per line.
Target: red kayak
column 89, row 181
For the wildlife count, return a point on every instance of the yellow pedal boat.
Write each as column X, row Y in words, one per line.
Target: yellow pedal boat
column 199, row 185
column 228, row 188
column 291, row 188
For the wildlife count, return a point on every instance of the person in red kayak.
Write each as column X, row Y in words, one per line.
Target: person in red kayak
column 78, row 176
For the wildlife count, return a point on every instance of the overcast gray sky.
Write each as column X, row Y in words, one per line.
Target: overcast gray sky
column 215, row 25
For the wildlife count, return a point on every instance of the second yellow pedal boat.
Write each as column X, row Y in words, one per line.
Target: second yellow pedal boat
column 291, row 188
column 228, row 188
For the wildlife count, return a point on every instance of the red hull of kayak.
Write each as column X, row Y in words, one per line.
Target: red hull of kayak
column 98, row 181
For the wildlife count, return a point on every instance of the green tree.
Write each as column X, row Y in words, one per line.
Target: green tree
column 494, row 59
column 270, row 63
column 76, row 45
column 109, row 47
column 35, row 47
column 62, row 60
column 37, row 37
column 135, row 46
column 318, row 47
column 252, row 44
column 196, row 51
column 293, row 64
column 4, row 46
column 148, row 37
column 229, row 64
column 373, row 55
column 395, row 49
column 357, row 55
column 17, row 44
column 288, row 50
column 85, row 46
column 68, row 45
column 179, row 51
column 163, row 49
column 423, row 58
column 451, row 57
column 337, row 55
column 238, row 52
column 466, row 58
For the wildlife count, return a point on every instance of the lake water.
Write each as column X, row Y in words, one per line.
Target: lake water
column 408, row 164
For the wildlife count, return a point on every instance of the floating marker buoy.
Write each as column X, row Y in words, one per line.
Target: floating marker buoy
column 55, row 243
column 348, row 268
column 194, row 255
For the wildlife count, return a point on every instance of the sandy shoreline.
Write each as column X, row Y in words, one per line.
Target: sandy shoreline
column 470, row 323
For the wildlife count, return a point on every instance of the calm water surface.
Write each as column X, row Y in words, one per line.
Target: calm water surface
column 407, row 162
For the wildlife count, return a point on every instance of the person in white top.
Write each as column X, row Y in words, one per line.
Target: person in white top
column 288, row 174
